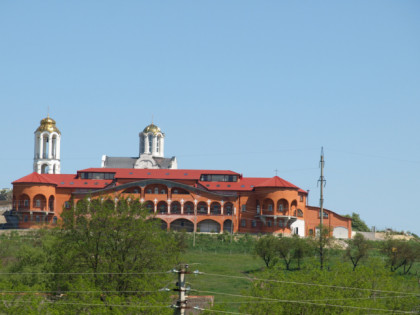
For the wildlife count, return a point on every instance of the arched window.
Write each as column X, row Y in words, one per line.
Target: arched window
column 189, row 208
column 215, row 208
column 150, row 143
column 162, row 207
column 156, row 190
column 202, row 207
column 229, row 208
column 148, row 191
column 157, row 145
column 299, row 213
column 44, row 169
column 175, row 207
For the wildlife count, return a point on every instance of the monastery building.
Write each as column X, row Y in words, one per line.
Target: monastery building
column 194, row 200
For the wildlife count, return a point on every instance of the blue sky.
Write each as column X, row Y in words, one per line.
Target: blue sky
column 250, row 86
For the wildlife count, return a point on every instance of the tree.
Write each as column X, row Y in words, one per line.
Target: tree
column 323, row 242
column 6, row 194
column 315, row 291
column 357, row 249
column 105, row 253
column 302, row 248
column 266, row 248
column 357, row 224
column 285, row 249
column 401, row 253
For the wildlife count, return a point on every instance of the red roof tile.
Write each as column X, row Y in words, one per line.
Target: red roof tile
column 276, row 182
column 131, row 173
column 34, row 178
column 63, row 181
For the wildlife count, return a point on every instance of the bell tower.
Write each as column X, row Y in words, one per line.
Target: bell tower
column 47, row 147
column 152, row 141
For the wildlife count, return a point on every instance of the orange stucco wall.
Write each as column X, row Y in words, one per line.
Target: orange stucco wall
column 261, row 213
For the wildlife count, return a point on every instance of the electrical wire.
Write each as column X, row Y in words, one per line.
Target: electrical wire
column 217, row 311
column 90, row 304
column 309, row 303
column 85, row 273
column 309, row 284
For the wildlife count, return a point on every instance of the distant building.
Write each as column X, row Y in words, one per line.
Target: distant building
column 192, row 200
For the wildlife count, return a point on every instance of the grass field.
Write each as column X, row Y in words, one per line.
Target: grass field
column 234, row 264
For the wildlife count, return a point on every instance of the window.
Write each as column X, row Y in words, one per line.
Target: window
column 243, row 223
column 296, row 231
column 299, row 213
column 254, row 223
column 37, row 219
column 156, row 190
column 325, row 214
column 281, row 224
column 269, row 223
column 150, row 143
column 175, row 191
column 280, row 208
column 157, row 145
column 243, row 208
column 55, row 220
column 25, row 218
column 218, row 178
column 301, row 198
column 163, row 191
column 270, row 207
column 38, row 203
column 26, row 203
column 148, row 191
column 311, row 232
column 258, row 209
column 67, row 205
column 136, row 191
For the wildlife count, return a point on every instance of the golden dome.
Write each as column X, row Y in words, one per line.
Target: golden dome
column 48, row 124
column 152, row 128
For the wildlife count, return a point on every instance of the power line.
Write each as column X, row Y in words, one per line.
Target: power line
column 331, row 299
column 309, row 284
column 85, row 273
column 309, row 303
column 217, row 311
column 90, row 304
column 76, row 291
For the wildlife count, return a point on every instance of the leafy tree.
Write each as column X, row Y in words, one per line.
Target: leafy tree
column 103, row 255
column 302, row 248
column 323, row 242
column 357, row 249
column 6, row 194
column 266, row 248
column 285, row 249
column 401, row 253
column 357, row 224
column 317, row 291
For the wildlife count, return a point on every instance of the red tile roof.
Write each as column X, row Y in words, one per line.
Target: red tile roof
column 34, row 178
column 276, row 182
column 63, row 181
column 71, row 180
column 131, row 173
column 245, row 184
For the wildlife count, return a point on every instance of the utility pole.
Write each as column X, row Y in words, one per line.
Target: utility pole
column 321, row 182
column 181, row 304
column 195, row 221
